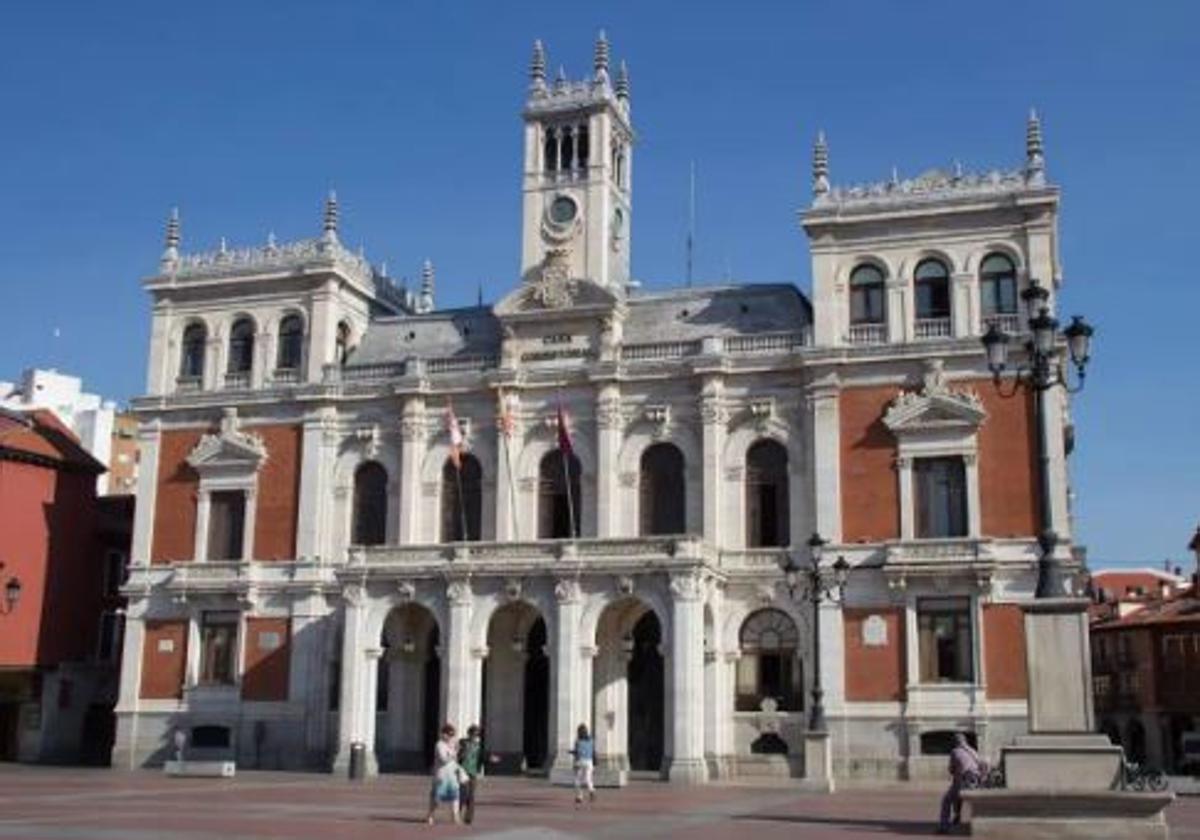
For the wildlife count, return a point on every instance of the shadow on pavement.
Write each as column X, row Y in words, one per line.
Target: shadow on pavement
column 903, row 828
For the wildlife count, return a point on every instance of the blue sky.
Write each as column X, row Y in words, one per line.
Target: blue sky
column 244, row 114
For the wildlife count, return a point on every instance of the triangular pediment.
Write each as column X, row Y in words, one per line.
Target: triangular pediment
column 230, row 447
column 943, row 410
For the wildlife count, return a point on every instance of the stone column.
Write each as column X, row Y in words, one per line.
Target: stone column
column 712, row 415
column 608, row 448
column 567, row 710
column 351, row 705
column 507, row 450
column 125, row 753
column 461, row 697
column 612, row 713
column 412, row 448
column 308, row 674
column 687, row 680
column 316, row 465
column 370, row 711
column 823, row 401
column 149, row 436
column 962, row 311
column 900, row 326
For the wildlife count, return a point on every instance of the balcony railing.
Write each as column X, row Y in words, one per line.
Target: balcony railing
column 868, row 333
column 286, row 376
column 1009, row 322
column 189, row 383
column 239, row 379
column 659, row 350
column 635, row 551
column 766, row 343
column 459, row 364
column 929, row 328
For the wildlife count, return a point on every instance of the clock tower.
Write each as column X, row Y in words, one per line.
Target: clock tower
column 578, row 141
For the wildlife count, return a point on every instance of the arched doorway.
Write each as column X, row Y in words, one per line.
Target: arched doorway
column 408, row 693
column 516, row 689
column 628, row 682
column 646, row 686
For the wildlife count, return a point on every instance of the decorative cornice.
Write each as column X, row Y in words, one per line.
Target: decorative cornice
column 935, row 405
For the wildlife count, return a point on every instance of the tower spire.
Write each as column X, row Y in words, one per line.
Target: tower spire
column 330, row 222
column 425, row 301
column 600, row 57
column 820, row 166
column 622, row 87
column 1035, row 161
column 537, row 67
column 170, row 254
column 560, row 81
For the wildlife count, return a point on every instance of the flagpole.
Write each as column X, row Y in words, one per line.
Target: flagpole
column 512, row 490
column 563, row 434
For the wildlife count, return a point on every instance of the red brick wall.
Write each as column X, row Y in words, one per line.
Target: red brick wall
column 266, row 675
column 26, row 491
column 1008, row 484
column 870, row 494
column 278, row 493
column 1008, row 472
column 874, row 673
column 175, row 502
column 1004, row 652
column 163, row 670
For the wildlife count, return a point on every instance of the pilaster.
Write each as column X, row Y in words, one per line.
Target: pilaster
column 962, row 311
column 461, row 694
column 507, row 527
column 567, row 707
column 823, row 397
column 608, row 447
column 125, row 752
column 351, row 706
column 713, row 417
column 149, row 437
column 687, row 681
column 316, row 465
column 412, row 447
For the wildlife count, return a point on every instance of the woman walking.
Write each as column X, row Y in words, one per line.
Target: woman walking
column 585, row 761
column 444, row 786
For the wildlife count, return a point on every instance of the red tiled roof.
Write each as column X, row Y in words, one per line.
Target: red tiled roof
column 39, row 435
column 1183, row 608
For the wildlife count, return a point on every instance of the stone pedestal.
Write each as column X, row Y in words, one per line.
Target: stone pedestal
column 1020, row 815
column 1059, row 763
column 818, row 762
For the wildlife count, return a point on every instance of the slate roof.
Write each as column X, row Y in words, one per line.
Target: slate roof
column 673, row 315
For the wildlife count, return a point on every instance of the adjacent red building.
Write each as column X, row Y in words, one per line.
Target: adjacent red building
column 62, row 555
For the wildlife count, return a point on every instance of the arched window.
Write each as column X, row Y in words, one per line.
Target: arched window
column 241, row 346
column 769, row 666
column 661, row 491
column 555, row 518
column 462, row 499
column 191, row 359
column 997, row 285
column 932, row 282
column 342, row 348
column 866, row 295
column 551, row 150
column 767, row 511
column 370, row 504
column 291, row 343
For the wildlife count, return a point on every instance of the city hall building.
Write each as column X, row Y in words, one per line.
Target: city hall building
column 360, row 515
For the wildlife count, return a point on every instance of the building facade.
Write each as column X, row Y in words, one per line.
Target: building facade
column 311, row 569
column 62, row 555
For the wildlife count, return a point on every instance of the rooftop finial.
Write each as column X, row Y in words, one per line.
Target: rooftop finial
column 622, row 88
column 330, row 225
column 600, row 59
column 820, row 166
column 170, row 254
column 1035, row 162
column 425, row 301
column 537, row 67
column 560, row 81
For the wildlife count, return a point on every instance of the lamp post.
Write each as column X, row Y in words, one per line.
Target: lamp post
column 1045, row 370
column 12, row 594
column 816, row 586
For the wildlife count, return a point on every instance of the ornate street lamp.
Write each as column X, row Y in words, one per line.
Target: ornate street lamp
column 12, row 594
column 1045, row 370
column 816, row 586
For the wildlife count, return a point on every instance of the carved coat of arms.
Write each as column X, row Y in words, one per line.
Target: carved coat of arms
column 554, row 288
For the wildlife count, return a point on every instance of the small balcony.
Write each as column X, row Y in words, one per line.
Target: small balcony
column 239, row 380
column 188, row 384
column 1007, row 322
column 928, row 329
column 285, row 376
column 868, row 333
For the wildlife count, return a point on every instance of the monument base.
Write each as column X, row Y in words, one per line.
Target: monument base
column 818, row 762
column 1062, row 763
column 1028, row 815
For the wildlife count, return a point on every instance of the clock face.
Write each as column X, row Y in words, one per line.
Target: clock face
column 563, row 210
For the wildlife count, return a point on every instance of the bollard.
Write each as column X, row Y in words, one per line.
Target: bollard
column 358, row 761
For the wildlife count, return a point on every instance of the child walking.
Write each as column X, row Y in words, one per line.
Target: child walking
column 444, row 787
column 585, row 761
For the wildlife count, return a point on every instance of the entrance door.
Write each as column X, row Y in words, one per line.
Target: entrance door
column 10, row 716
column 536, row 705
column 646, row 696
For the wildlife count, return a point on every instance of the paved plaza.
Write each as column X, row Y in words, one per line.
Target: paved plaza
column 56, row 804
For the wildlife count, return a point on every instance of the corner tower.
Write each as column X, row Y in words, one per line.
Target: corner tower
column 578, row 141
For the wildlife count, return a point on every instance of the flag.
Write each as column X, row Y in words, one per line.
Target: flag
column 564, row 434
column 456, row 436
